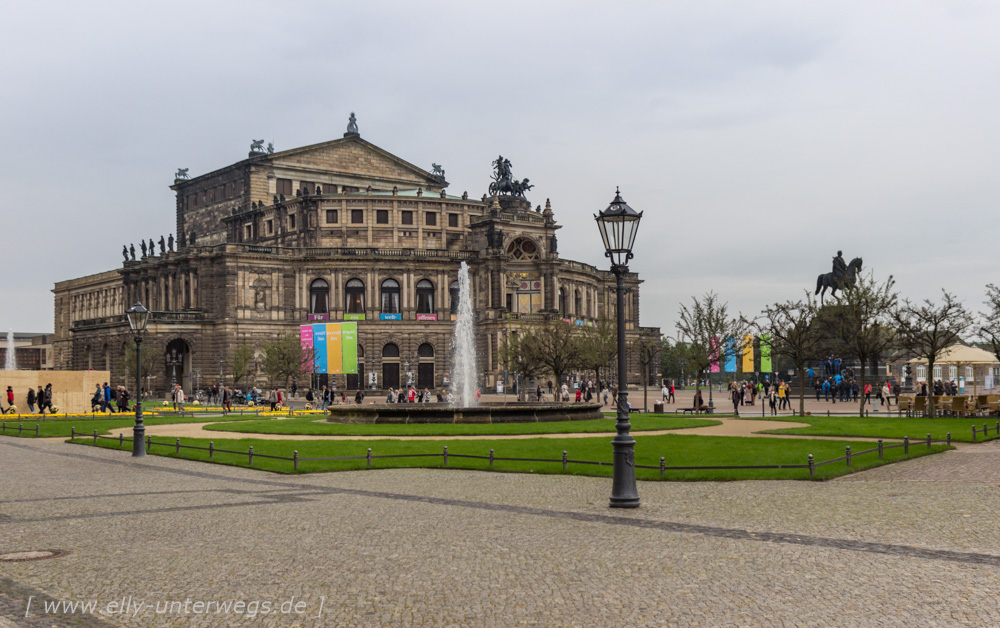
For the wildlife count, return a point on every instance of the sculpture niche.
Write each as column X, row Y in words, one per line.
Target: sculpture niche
column 842, row 276
column 503, row 183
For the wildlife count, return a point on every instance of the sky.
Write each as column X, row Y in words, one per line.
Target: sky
column 758, row 138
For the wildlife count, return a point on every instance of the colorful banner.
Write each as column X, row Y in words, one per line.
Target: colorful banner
column 748, row 354
column 730, row 350
column 306, row 338
column 319, row 347
column 427, row 317
column 334, row 349
column 354, row 317
column 714, row 344
column 390, row 317
column 349, row 340
column 765, row 353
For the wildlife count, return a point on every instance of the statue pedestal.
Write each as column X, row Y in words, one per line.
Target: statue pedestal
column 514, row 203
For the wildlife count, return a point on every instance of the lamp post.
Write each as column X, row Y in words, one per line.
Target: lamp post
column 173, row 360
column 618, row 225
column 137, row 317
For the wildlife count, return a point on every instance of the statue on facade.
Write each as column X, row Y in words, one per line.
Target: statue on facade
column 170, row 243
column 131, row 250
column 256, row 146
column 494, row 237
column 182, row 173
column 125, row 252
column 555, row 245
column 842, row 276
column 163, row 246
column 142, row 245
column 504, row 184
column 152, row 247
column 352, row 125
column 270, row 148
column 437, row 171
column 191, row 238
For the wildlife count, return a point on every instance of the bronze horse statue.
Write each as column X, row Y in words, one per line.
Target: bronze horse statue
column 830, row 280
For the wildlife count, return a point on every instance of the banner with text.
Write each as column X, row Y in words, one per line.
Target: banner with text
column 334, row 346
column 730, row 350
column 765, row 353
column 748, row 354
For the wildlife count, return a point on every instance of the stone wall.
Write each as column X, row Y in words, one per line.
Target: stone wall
column 71, row 390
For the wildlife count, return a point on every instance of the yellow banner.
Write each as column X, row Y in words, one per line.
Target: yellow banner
column 748, row 354
column 334, row 350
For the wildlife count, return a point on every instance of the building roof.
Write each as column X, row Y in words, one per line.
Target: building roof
column 961, row 354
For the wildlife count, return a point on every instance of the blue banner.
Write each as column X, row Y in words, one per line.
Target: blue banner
column 319, row 347
column 730, row 351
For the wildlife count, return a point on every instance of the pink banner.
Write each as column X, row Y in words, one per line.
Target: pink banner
column 306, row 340
column 715, row 355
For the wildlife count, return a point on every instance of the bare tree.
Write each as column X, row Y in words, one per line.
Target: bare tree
column 148, row 360
column 519, row 354
column 557, row 347
column 863, row 320
column 989, row 329
column 794, row 335
column 242, row 363
column 926, row 329
column 648, row 350
column 598, row 346
column 285, row 359
column 707, row 325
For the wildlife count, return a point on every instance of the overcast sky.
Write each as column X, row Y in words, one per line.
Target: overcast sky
column 758, row 137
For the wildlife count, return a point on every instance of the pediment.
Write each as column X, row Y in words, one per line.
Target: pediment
column 355, row 157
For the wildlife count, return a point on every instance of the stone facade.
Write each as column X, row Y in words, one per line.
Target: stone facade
column 334, row 230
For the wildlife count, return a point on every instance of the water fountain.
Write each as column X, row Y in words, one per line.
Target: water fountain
column 10, row 363
column 465, row 408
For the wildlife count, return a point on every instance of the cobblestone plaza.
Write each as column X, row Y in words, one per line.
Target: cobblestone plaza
column 914, row 543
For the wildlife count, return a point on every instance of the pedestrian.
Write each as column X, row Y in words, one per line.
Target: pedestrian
column 359, row 396
column 272, row 398
column 178, row 398
column 579, row 394
column 886, row 395
column 40, row 400
column 772, row 400
column 390, row 396
column 605, row 395
column 31, row 399
column 671, row 398
column 411, row 395
column 110, row 398
column 565, row 392
column 226, row 398
column 665, row 392
column 737, row 397
column 122, row 399
column 10, row 398
column 782, row 396
column 538, row 393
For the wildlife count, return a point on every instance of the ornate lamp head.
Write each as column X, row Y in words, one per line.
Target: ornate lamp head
column 137, row 317
column 618, row 224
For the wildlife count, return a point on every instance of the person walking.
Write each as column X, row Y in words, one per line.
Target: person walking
column 31, row 399
column 737, row 398
column 40, row 400
column 178, row 398
column 272, row 398
column 772, row 400
column 665, row 392
column 227, row 396
column 886, row 395
column 671, row 398
column 122, row 399
column 782, row 396
column 10, row 398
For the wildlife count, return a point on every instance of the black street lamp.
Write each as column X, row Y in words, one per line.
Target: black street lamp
column 173, row 360
column 618, row 225
column 137, row 317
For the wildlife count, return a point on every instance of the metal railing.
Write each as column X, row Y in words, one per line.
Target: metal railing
column 295, row 459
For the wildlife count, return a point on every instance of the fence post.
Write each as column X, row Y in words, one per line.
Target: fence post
column 95, row 437
column 250, row 456
column 848, row 455
column 4, row 424
column 985, row 433
column 36, row 429
column 880, row 449
column 564, row 460
column 949, row 438
column 973, row 432
column 906, row 444
column 491, row 458
column 72, row 432
column 295, row 459
column 446, row 455
column 20, row 428
column 812, row 466
column 369, row 456
column 928, row 441
column 827, row 413
column 121, row 438
column 211, row 448
column 998, row 428
column 149, row 442
column 663, row 466
column 178, row 446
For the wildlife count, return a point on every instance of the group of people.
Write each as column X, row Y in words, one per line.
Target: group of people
column 777, row 394
column 109, row 399
column 42, row 398
column 940, row 388
column 838, row 388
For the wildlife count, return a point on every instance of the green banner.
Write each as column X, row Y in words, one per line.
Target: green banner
column 349, row 342
column 765, row 353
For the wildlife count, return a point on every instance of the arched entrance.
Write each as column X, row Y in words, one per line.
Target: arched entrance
column 177, row 362
column 390, row 366
column 425, row 367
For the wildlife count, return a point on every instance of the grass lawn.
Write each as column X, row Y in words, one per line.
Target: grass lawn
column 61, row 426
column 680, row 450
column 887, row 427
column 311, row 425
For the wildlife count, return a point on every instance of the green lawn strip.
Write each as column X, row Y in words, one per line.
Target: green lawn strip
column 888, row 427
column 679, row 450
column 309, row 425
column 61, row 427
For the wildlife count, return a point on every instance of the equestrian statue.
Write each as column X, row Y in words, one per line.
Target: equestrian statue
column 842, row 276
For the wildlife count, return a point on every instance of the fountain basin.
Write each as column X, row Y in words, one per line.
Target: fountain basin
column 516, row 412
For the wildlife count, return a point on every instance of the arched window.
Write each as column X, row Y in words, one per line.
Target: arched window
column 921, row 371
column 425, row 366
column 937, row 371
column 425, row 297
column 355, row 295
column 453, row 293
column 319, row 297
column 590, row 305
column 578, row 305
column 425, row 350
column 390, row 351
column 390, row 296
column 562, row 301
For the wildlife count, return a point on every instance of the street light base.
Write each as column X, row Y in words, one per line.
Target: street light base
column 624, row 493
